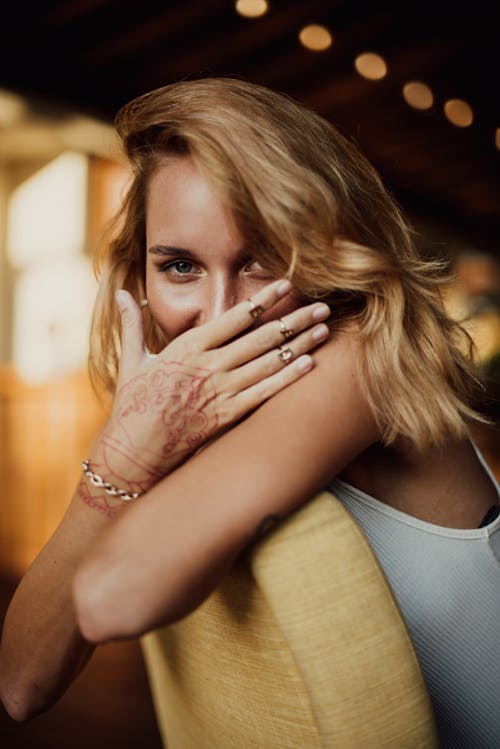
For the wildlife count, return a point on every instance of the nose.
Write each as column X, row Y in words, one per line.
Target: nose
column 221, row 294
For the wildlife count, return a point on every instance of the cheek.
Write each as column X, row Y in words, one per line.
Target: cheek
column 169, row 312
column 171, row 316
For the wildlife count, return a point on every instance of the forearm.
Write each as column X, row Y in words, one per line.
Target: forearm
column 42, row 648
column 161, row 560
column 126, row 586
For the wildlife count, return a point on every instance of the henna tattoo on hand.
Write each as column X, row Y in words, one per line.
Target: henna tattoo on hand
column 166, row 412
column 159, row 418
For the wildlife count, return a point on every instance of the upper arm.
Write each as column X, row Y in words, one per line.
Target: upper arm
column 318, row 425
column 174, row 544
column 290, row 447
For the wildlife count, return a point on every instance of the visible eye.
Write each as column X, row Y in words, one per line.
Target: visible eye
column 255, row 268
column 179, row 268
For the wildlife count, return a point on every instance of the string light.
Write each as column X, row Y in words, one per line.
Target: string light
column 252, row 8
column 418, row 95
column 371, row 66
column 458, row 112
column 316, row 37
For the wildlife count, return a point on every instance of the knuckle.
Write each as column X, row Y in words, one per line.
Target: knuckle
column 299, row 319
column 176, row 349
column 226, row 412
column 210, row 360
column 304, row 340
column 271, row 363
column 128, row 319
column 266, row 389
column 267, row 336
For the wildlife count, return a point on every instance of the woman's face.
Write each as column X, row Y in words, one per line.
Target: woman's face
column 197, row 262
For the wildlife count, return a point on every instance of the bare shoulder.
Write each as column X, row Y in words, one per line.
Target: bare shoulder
column 446, row 486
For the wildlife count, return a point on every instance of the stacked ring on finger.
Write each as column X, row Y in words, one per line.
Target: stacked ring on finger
column 256, row 310
column 285, row 332
column 285, row 354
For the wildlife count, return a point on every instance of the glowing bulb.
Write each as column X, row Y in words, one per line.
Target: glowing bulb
column 315, row 37
column 12, row 108
column 458, row 112
column 252, row 8
column 418, row 95
column 371, row 66
column 497, row 138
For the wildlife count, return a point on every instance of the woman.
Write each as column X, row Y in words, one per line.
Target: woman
column 234, row 186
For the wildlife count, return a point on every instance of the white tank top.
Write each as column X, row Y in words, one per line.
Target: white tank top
column 447, row 584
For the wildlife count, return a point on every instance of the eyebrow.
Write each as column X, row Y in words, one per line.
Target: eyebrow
column 170, row 251
column 167, row 250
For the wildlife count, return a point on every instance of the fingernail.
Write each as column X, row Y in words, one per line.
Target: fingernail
column 121, row 299
column 284, row 287
column 304, row 363
column 321, row 312
column 320, row 332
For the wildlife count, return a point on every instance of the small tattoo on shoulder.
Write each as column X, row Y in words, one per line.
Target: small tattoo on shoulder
column 266, row 525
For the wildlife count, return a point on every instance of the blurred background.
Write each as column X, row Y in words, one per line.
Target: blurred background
column 415, row 84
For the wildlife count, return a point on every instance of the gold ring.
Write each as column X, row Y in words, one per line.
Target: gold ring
column 256, row 310
column 285, row 332
column 285, row 354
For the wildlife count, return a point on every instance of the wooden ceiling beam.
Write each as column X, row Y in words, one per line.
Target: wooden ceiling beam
column 158, row 28
column 224, row 48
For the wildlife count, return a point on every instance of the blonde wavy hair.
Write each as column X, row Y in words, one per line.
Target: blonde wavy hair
column 314, row 209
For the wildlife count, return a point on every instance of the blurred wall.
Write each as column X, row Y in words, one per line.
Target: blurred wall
column 60, row 183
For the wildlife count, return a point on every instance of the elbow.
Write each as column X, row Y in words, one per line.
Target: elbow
column 114, row 602
column 92, row 606
column 103, row 611
column 115, row 599
column 22, row 701
column 91, row 621
column 19, row 710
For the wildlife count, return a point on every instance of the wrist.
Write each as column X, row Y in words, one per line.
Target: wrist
column 116, row 465
column 112, row 490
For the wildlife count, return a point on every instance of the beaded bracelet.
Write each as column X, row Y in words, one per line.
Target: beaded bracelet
column 114, row 491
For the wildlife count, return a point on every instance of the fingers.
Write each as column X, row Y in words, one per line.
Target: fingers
column 267, row 372
column 254, row 396
column 132, row 332
column 273, row 334
column 244, row 314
